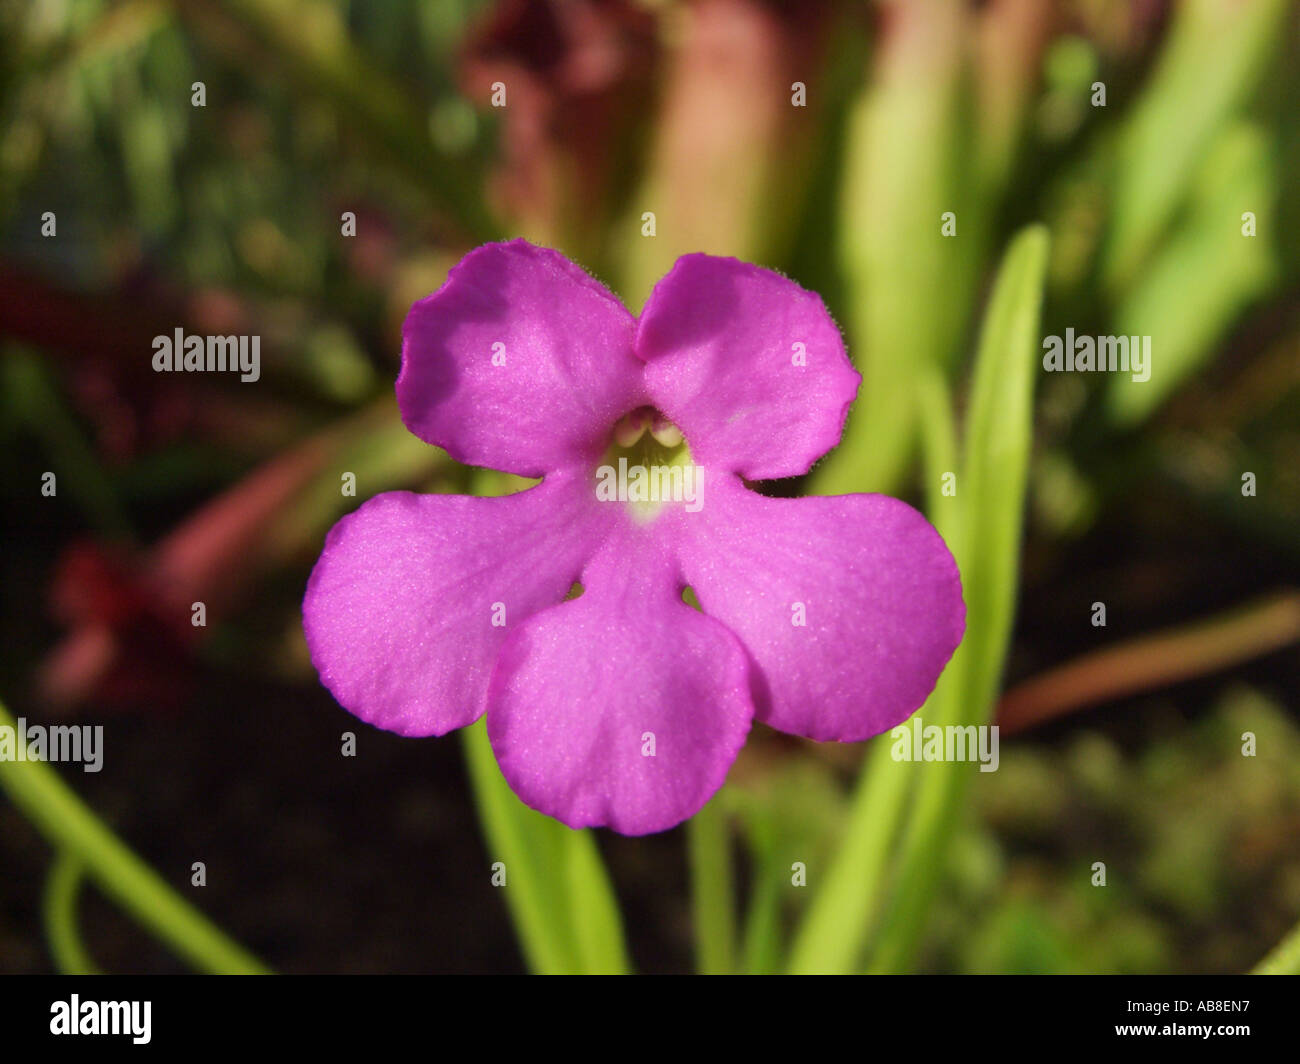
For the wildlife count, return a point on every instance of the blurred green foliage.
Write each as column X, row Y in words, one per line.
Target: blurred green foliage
column 1199, row 841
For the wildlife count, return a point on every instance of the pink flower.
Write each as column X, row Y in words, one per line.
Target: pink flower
column 829, row 618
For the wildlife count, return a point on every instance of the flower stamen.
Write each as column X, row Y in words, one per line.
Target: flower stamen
column 648, row 464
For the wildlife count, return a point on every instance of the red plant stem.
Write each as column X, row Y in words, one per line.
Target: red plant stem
column 1170, row 656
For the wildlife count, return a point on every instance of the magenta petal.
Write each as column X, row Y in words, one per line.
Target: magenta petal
column 520, row 362
column 875, row 585
column 750, row 366
column 413, row 595
column 581, row 692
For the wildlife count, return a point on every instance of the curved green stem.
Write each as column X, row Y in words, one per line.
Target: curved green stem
column 1284, row 958
column 66, row 821
column 59, row 909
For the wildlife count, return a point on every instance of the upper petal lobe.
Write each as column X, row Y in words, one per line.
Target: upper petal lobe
column 520, row 362
column 749, row 366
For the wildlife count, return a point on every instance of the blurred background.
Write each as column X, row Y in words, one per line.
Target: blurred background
column 303, row 170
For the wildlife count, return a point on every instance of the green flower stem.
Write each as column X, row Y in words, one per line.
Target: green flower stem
column 762, row 941
column 1284, row 959
column 596, row 920
column 761, row 938
column 530, row 893
column 836, row 925
column 925, row 841
column 712, row 895
column 59, row 909
column 68, row 823
column 556, row 886
column 557, row 889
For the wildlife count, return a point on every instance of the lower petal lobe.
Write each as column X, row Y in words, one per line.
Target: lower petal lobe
column 850, row 605
column 413, row 595
column 624, row 707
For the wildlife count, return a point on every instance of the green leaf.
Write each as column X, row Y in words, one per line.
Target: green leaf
column 1216, row 53
column 1204, row 275
column 984, row 533
column 313, row 47
column 713, row 901
column 793, row 811
column 998, row 441
column 1284, row 959
column 982, row 525
column 834, row 929
column 33, row 397
column 597, row 922
column 909, row 287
